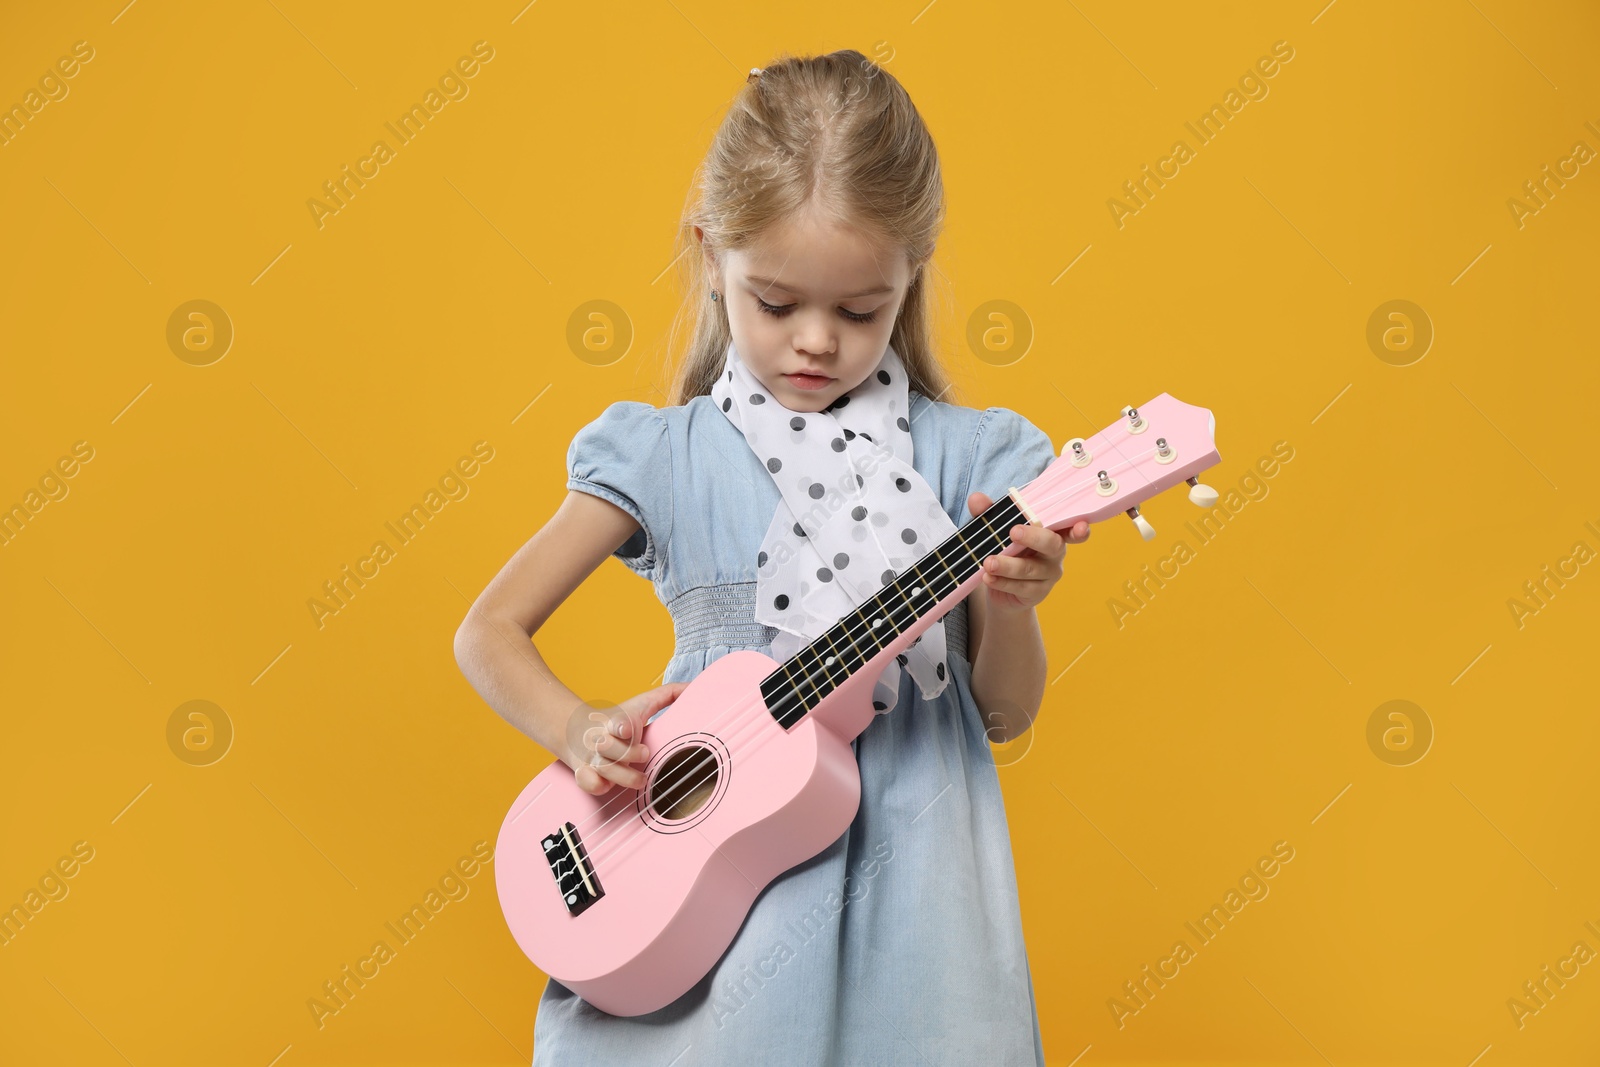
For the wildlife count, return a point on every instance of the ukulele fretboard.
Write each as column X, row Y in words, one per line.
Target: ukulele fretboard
column 858, row 639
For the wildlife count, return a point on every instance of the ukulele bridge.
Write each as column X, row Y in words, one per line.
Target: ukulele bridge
column 569, row 865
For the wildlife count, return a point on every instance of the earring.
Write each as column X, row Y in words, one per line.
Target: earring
column 714, row 295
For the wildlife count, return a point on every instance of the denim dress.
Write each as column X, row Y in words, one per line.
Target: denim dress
column 901, row 942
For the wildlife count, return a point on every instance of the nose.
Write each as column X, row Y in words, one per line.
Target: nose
column 815, row 336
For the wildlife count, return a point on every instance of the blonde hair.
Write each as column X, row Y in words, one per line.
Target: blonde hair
column 835, row 134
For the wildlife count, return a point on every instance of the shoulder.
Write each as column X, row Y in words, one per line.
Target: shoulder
column 625, row 434
column 628, row 426
column 625, row 456
column 626, row 415
column 651, row 436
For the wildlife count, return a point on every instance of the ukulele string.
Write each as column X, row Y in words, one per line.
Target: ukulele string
column 686, row 786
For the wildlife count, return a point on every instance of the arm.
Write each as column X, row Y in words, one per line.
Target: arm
column 1008, row 666
column 1004, row 644
column 493, row 645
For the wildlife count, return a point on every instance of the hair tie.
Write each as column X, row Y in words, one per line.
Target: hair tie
column 754, row 75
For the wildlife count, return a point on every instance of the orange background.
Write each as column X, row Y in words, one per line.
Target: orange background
column 1230, row 712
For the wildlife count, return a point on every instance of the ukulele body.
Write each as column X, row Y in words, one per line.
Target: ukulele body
column 673, row 891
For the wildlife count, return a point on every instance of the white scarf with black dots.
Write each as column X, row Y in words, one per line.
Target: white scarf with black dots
column 853, row 514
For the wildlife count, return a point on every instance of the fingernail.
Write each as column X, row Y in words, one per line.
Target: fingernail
column 597, row 761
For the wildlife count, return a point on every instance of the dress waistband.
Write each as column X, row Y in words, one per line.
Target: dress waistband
column 711, row 615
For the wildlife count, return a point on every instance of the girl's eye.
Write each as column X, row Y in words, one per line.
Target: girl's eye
column 780, row 310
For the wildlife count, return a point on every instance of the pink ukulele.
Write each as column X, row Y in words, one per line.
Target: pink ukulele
column 629, row 898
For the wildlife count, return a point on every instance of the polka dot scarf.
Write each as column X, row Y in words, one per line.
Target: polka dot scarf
column 853, row 513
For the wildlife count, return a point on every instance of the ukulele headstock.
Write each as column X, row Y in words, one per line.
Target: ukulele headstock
column 1149, row 450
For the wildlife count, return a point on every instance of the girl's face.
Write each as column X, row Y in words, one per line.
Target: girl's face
column 813, row 297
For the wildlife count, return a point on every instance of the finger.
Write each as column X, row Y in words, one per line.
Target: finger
column 622, row 774
column 628, row 719
column 1021, row 588
column 619, row 751
column 995, row 566
column 589, row 780
column 978, row 502
column 1074, row 534
column 1013, row 567
column 1049, row 544
column 586, row 746
column 1041, row 539
column 650, row 703
column 661, row 696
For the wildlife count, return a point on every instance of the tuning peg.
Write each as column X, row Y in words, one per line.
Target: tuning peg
column 1135, row 423
column 1146, row 531
column 1201, row 495
column 1074, row 450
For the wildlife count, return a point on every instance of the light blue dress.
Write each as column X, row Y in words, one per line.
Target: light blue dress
column 900, row 943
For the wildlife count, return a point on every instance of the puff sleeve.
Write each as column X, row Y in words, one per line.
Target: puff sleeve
column 625, row 457
column 1007, row 451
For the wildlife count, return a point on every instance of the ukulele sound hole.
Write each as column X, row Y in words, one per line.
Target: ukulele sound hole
column 686, row 780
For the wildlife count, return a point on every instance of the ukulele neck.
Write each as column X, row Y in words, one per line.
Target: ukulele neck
column 894, row 617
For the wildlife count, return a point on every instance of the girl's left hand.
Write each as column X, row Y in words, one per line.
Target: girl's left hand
column 1025, row 579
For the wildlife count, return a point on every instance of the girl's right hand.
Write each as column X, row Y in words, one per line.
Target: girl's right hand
column 604, row 755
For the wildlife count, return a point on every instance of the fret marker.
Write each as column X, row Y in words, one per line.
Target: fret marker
column 876, row 623
column 916, row 590
column 828, row 662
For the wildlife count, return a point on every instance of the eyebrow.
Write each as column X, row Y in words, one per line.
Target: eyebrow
column 771, row 284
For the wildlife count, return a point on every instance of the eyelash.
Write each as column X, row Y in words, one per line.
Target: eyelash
column 780, row 310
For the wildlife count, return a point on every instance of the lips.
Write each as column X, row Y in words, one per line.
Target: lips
column 807, row 381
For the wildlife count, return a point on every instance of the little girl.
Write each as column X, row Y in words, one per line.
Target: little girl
column 805, row 460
